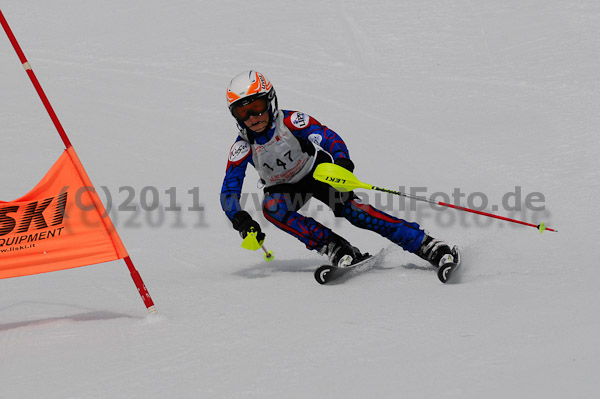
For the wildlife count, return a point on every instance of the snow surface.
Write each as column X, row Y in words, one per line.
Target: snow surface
column 478, row 95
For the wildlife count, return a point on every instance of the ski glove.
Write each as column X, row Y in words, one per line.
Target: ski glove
column 345, row 163
column 243, row 222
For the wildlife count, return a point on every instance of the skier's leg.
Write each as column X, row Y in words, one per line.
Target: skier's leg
column 278, row 209
column 406, row 234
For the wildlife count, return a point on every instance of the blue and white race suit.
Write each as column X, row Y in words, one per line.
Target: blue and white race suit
column 285, row 157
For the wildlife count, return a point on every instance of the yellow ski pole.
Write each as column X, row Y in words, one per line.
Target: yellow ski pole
column 251, row 243
column 343, row 180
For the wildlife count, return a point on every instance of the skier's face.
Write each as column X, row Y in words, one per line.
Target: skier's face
column 257, row 123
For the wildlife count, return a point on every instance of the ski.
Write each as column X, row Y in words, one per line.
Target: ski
column 448, row 271
column 328, row 273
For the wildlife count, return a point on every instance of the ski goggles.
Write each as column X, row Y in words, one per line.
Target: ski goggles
column 255, row 108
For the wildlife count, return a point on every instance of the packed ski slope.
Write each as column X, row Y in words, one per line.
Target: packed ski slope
column 495, row 99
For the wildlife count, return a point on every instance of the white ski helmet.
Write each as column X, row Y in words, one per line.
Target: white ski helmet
column 247, row 87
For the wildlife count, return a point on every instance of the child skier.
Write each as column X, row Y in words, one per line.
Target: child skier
column 285, row 147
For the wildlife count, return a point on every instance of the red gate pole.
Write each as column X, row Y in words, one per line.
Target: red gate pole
column 141, row 287
column 36, row 83
column 135, row 275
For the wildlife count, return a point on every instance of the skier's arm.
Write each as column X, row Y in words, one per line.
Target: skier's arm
column 240, row 156
column 307, row 128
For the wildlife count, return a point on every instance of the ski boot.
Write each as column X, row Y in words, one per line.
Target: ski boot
column 439, row 254
column 436, row 252
column 343, row 257
column 341, row 253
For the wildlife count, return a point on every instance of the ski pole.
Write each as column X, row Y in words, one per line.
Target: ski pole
column 251, row 243
column 343, row 180
column 268, row 254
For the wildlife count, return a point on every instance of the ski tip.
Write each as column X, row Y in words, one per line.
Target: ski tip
column 321, row 274
column 447, row 273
